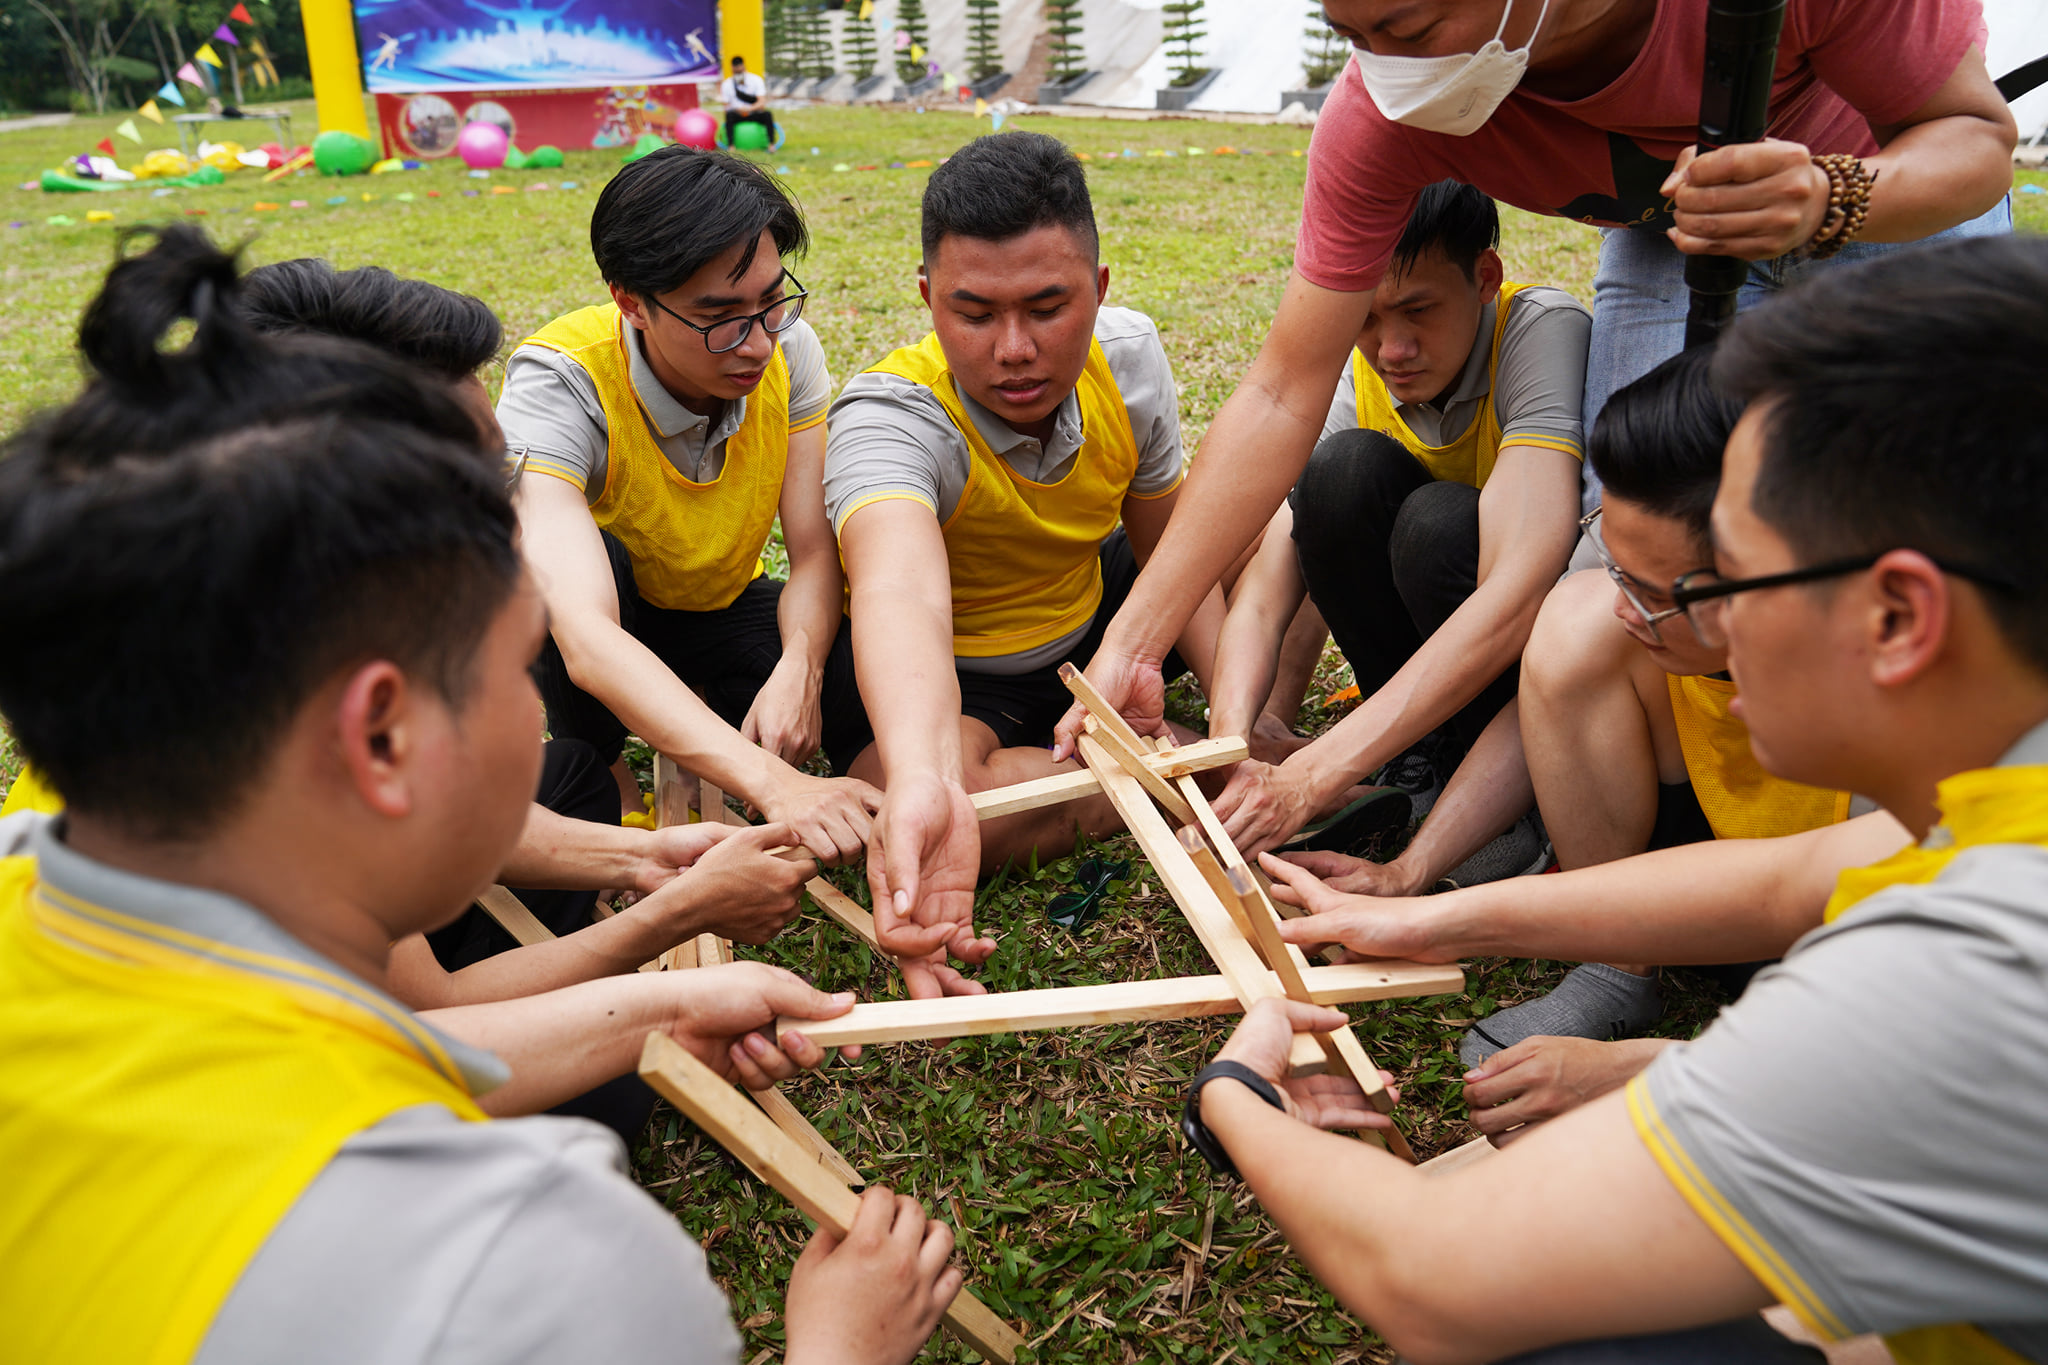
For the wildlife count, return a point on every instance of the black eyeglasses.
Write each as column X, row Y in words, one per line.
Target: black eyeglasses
column 1622, row 581
column 1703, row 595
column 732, row 333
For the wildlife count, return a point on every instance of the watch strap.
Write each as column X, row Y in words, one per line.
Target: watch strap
column 1197, row 1133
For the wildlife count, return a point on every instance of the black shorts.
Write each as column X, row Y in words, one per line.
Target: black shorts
column 1022, row 708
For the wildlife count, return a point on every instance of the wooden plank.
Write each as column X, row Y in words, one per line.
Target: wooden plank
column 1132, row 761
column 771, row 1154
column 1478, row 1149
column 776, row 1106
column 513, row 916
column 671, row 792
column 1170, row 763
column 1219, row 881
column 845, row 909
column 1117, row 1002
column 1107, row 716
column 1233, row 956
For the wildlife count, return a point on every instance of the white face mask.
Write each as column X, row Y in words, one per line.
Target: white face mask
column 1455, row 94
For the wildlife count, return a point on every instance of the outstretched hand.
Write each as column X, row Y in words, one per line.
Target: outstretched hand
column 1264, row 1041
column 1133, row 686
column 1366, row 926
column 922, row 865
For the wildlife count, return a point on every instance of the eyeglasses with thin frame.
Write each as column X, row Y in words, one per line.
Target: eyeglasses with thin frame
column 1625, row 584
column 1703, row 595
column 729, row 334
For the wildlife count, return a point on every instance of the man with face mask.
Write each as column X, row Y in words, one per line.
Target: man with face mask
column 1585, row 109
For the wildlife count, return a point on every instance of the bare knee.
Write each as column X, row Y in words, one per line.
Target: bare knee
column 1577, row 645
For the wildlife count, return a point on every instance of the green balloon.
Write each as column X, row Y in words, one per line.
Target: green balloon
column 749, row 137
column 515, row 160
column 339, row 153
column 648, row 144
column 544, row 158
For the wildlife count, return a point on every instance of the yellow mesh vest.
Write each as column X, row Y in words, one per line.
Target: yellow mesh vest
column 1022, row 555
column 1469, row 459
column 695, row 546
column 165, row 1101
column 30, row 792
column 1740, row 799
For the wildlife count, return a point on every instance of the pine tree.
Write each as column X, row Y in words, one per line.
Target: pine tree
column 779, row 21
column 1184, row 29
column 983, row 58
column 1327, row 53
column 1064, row 21
column 818, row 58
column 857, row 40
column 910, row 20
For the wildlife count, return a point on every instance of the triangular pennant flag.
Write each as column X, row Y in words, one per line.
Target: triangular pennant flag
column 170, row 92
column 209, row 56
column 226, row 35
column 256, row 43
column 129, row 130
column 995, row 117
column 980, row 107
column 105, row 144
column 150, row 111
column 240, row 14
column 867, row 10
column 189, row 74
column 916, row 53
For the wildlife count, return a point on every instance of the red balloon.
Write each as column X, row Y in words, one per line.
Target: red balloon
column 696, row 128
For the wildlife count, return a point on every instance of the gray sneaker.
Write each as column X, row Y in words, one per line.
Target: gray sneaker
column 1518, row 853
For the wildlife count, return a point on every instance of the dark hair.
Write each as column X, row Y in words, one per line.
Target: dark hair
column 673, row 212
column 1455, row 219
column 437, row 329
column 1005, row 184
column 1899, row 415
column 178, row 576
column 739, row 59
column 1657, row 443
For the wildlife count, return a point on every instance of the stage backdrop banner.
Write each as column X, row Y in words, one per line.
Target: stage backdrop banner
column 426, row 126
column 442, row 45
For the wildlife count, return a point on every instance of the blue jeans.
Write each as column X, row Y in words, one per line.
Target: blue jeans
column 1640, row 302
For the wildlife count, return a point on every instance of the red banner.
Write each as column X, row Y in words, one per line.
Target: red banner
column 425, row 126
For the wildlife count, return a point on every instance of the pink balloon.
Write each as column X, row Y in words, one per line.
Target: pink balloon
column 482, row 146
column 696, row 128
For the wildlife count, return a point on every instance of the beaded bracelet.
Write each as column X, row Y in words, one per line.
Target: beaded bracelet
column 1849, row 183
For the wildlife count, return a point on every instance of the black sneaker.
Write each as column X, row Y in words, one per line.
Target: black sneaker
column 1354, row 829
column 1420, row 772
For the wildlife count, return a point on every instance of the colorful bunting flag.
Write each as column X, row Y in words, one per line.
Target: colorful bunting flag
column 916, row 52
column 105, row 144
column 129, row 130
column 170, row 92
column 995, row 120
column 980, row 107
column 150, row 111
column 867, row 10
column 189, row 74
column 209, row 56
column 240, row 14
column 226, row 35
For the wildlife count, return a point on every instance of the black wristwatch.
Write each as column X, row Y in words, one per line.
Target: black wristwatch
column 1197, row 1133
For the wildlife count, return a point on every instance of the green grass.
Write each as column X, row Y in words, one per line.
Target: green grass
column 1079, row 1213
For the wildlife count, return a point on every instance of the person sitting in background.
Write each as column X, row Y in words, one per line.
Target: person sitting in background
column 286, row 738
column 745, row 97
column 1434, row 515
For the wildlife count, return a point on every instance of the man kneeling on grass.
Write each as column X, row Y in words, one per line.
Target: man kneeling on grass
column 279, row 677
column 1859, row 1136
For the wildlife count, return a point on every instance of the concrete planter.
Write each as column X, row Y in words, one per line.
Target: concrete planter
column 1311, row 100
column 880, row 86
column 1056, row 92
column 837, row 87
column 1180, row 97
column 779, row 87
column 920, row 87
column 986, row 87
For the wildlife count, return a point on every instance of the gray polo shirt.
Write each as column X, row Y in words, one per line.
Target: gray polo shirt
column 1539, row 390
column 427, row 1238
column 891, row 437
column 1870, row 1119
column 550, row 409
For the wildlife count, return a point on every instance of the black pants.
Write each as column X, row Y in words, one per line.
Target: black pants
column 1388, row 554
column 576, row 782
column 725, row 656
column 737, row 114
column 1750, row 1340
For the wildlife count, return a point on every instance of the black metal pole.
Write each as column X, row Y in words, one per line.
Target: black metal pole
column 1735, row 105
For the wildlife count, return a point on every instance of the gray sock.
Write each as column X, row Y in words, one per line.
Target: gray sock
column 1593, row 1001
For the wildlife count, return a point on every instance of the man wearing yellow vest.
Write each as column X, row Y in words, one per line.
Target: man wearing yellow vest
column 670, row 428
column 1859, row 1136
column 1432, row 518
column 286, row 737
column 977, row 481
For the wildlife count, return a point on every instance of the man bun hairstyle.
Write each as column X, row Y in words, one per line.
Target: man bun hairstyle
column 1002, row 186
column 1455, row 219
column 450, row 334
column 178, row 577
column 673, row 212
column 1898, row 414
column 1657, row 443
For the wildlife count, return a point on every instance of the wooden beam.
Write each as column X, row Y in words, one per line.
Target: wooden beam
column 776, row 1106
column 1219, row 881
column 513, row 916
column 771, row 1154
column 1171, row 764
column 1117, row 1002
column 1132, row 761
column 845, row 909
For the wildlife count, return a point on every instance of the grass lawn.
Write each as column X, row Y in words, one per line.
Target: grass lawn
column 1079, row 1212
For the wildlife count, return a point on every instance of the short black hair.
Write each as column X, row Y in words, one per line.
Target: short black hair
column 1454, row 218
column 1658, row 442
column 1899, row 416
column 673, row 212
column 738, row 59
column 178, row 576
column 438, row 329
column 1003, row 185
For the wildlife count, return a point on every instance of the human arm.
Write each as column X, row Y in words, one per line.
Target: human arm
column 1942, row 164
column 1269, row 592
column 1588, row 1236
column 926, row 851
column 1725, row 900
column 564, row 1042
column 567, row 554
column 1253, row 453
column 1528, row 515
column 787, row 717
column 1145, row 521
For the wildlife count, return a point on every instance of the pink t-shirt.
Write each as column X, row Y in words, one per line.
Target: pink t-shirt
column 1842, row 66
